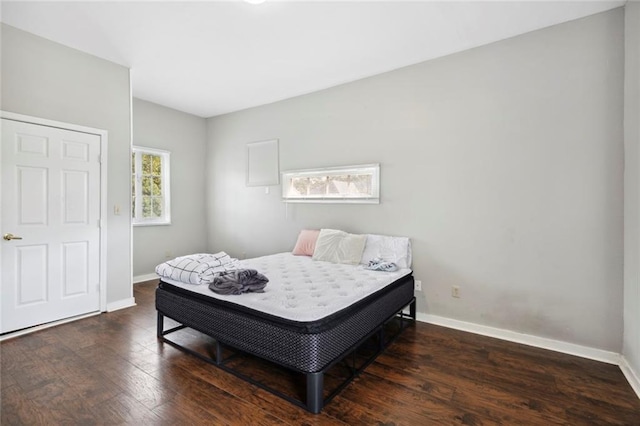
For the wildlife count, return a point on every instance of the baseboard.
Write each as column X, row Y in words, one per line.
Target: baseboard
column 121, row 304
column 146, row 277
column 631, row 376
column 525, row 339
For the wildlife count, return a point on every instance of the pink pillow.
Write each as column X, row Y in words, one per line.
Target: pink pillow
column 306, row 244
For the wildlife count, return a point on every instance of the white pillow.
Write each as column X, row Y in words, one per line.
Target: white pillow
column 389, row 249
column 339, row 247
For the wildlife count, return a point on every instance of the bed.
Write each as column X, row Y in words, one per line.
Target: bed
column 311, row 316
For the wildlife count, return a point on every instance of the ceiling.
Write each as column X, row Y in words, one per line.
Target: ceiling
column 211, row 58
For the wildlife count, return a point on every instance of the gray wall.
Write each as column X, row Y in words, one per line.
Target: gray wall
column 184, row 135
column 631, row 346
column 503, row 164
column 44, row 79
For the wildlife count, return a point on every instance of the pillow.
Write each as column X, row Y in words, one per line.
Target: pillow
column 306, row 244
column 389, row 249
column 339, row 247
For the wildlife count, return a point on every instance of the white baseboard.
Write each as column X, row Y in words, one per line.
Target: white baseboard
column 631, row 376
column 525, row 339
column 121, row 304
column 146, row 277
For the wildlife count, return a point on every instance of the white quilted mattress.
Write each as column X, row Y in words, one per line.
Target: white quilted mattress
column 302, row 289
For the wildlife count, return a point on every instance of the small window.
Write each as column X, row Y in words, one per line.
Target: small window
column 350, row 184
column 150, row 186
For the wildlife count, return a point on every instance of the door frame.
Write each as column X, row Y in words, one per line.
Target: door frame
column 103, row 134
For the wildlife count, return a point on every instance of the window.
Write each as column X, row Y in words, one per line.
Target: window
column 150, row 186
column 350, row 184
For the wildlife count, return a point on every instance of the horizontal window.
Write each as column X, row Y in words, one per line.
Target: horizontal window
column 349, row 184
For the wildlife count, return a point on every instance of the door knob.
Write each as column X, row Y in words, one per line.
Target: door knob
column 10, row 237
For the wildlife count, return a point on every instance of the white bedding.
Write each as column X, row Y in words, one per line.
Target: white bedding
column 302, row 289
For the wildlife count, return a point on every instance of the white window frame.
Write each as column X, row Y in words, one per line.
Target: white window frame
column 372, row 198
column 165, row 219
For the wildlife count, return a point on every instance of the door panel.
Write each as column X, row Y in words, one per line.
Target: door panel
column 75, row 263
column 31, row 271
column 50, row 198
column 75, row 151
column 75, row 197
column 32, row 190
column 32, row 144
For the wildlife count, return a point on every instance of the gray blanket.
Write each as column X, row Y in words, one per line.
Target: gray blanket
column 239, row 281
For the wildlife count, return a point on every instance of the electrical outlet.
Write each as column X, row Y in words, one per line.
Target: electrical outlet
column 418, row 285
column 455, row 291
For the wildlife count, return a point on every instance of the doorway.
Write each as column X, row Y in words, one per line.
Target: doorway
column 52, row 223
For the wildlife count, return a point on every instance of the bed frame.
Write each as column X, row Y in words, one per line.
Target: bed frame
column 307, row 348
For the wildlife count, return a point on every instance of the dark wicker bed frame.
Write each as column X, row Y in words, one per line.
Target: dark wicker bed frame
column 307, row 348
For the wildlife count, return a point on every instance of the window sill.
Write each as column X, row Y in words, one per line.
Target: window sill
column 150, row 223
column 333, row 200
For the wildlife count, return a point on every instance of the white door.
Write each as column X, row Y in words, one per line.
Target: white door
column 51, row 205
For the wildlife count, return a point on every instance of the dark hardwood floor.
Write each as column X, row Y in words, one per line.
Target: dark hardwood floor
column 110, row 369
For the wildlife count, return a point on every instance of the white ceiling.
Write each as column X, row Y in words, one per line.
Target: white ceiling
column 211, row 58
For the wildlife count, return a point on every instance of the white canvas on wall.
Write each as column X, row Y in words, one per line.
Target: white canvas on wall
column 262, row 163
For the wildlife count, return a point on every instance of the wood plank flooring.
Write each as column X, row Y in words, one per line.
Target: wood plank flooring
column 110, row 369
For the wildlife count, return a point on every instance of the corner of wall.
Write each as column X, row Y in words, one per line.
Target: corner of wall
column 631, row 375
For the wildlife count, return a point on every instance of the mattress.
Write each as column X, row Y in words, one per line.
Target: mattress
column 302, row 293
column 311, row 313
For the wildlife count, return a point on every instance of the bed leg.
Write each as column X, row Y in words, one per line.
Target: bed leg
column 160, row 329
column 218, row 353
column 315, row 385
column 412, row 309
